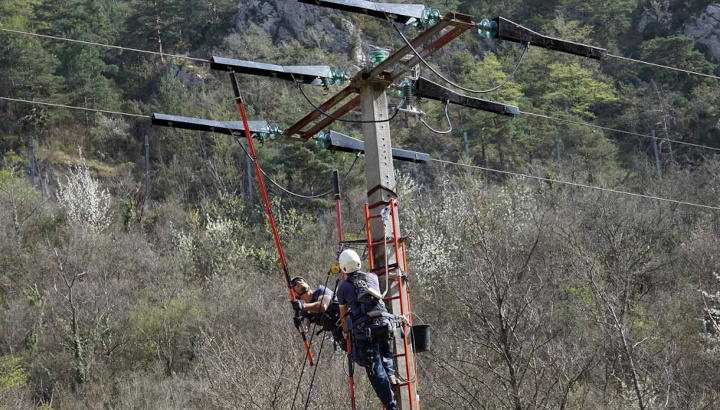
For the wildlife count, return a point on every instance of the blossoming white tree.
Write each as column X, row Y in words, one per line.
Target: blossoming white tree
column 86, row 203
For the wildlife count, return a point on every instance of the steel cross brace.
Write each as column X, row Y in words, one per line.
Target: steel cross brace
column 384, row 73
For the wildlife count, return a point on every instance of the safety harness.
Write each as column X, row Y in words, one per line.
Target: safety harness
column 373, row 321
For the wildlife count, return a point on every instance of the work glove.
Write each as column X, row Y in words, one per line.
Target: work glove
column 297, row 304
column 297, row 321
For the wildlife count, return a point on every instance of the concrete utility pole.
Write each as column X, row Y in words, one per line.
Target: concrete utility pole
column 147, row 171
column 557, row 152
column 32, row 160
column 467, row 145
column 657, row 153
column 380, row 176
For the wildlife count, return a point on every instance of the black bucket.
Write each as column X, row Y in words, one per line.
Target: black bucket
column 420, row 337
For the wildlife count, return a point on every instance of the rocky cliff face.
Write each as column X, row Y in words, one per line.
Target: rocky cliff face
column 705, row 29
column 312, row 26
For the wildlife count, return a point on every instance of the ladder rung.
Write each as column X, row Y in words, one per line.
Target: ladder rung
column 382, row 269
column 399, row 355
column 391, row 298
column 385, row 242
column 355, row 242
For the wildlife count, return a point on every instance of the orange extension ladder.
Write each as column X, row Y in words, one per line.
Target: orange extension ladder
column 398, row 244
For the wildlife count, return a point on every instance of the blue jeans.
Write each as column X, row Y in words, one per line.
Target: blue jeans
column 379, row 366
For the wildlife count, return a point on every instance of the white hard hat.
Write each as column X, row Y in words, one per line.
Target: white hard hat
column 349, row 261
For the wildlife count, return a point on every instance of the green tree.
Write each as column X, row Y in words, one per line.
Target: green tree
column 84, row 67
column 674, row 51
column 28, row 72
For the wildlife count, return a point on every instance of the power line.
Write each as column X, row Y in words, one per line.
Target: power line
column 447, row 116
column 615, row 191
column 91, row 43
column 667, row 67
column 137, row 50
column 409, row 44
column 287, row 191
column 521, row 112
column 74, row 108
column 587, row 124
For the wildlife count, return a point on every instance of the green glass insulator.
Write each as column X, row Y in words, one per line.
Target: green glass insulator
column 263, row 136
column 378, row 56
column 274, row 131
column 401, row 91
column 323, row 140
column 488, row 28
column 339, row 77
column 434, row 17
column 331, row 79
column 430, row 17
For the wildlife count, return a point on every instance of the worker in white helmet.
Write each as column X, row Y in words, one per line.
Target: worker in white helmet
column 366, row 320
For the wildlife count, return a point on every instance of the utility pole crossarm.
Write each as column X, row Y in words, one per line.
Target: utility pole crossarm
column 314, row 114
column 199, row 124
column 427, row 89
column 401, row 13
column 384, row 73
column 510, row 31
column 309, row 74
column 343, row 143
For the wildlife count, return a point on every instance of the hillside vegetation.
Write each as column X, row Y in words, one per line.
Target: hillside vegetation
column 540, row 294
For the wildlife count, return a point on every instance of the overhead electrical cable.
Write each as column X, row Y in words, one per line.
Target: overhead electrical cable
column 666, row 67
column 587, row 124
column 137, row 50
column 91, row 43
column 469, row 90
column 447, row 116
column 521, row 112
column 318, row 109
column 575, row 184
column 287, row 191
column 73, row 107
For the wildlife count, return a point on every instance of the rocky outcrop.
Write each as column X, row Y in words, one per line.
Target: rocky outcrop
column 187, row 74
column 705, row 29
column 657, row 13
column 287, row 20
